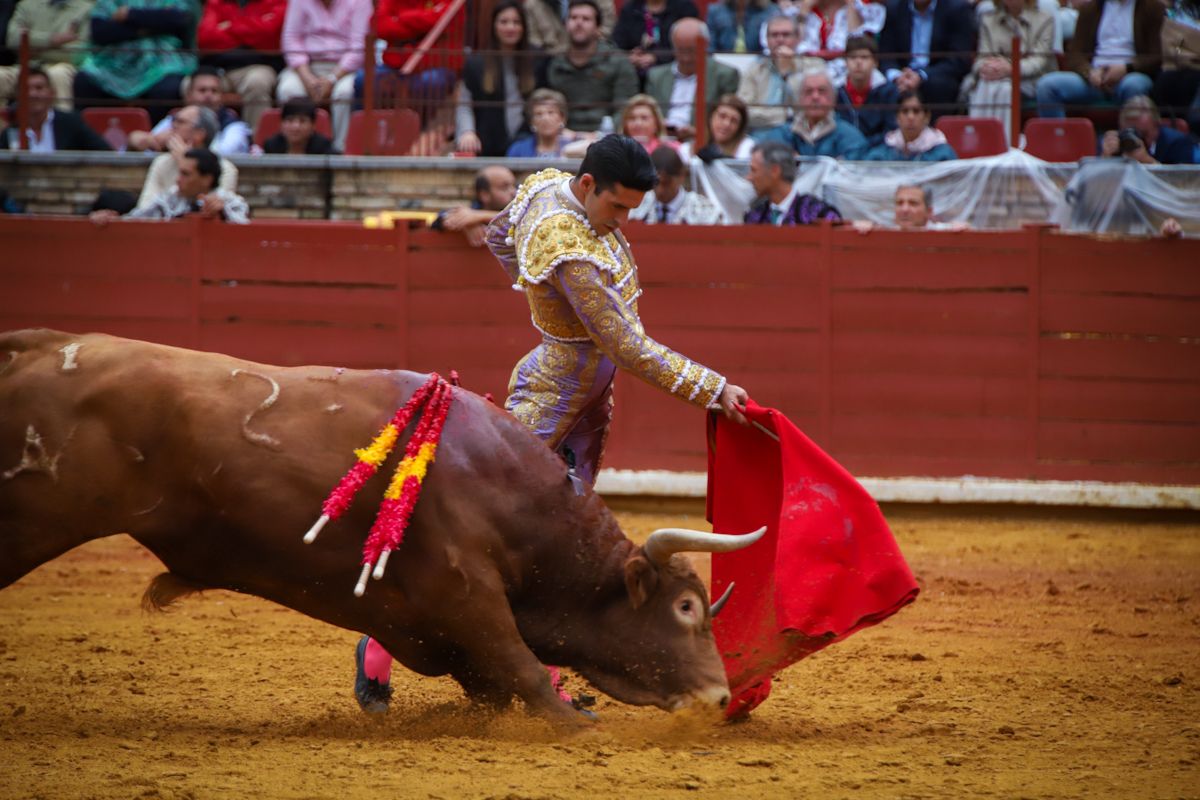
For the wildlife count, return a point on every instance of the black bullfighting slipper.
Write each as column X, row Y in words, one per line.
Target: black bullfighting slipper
column 373, row 696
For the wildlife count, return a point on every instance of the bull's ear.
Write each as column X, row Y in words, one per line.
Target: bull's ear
column 640, row 579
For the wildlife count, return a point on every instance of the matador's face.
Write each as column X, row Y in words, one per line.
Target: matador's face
column 608, row 209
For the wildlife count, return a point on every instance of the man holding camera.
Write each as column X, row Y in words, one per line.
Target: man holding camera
column 1143, row 138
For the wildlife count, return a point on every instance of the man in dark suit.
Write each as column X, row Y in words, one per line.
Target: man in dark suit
column 935, row 40
column 51, row 129
column 674, row 85
column 1144, row 138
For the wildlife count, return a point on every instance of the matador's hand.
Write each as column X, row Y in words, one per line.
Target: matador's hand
column 733, row 403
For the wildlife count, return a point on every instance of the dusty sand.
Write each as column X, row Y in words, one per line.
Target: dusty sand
column 1050, row 655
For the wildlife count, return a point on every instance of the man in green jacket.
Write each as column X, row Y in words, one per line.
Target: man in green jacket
column 596, row 78
column 673, row 85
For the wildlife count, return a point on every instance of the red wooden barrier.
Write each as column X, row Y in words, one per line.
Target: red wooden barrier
column 1023, row 354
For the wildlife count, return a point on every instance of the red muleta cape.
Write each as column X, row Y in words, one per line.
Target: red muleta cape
column 827, row 566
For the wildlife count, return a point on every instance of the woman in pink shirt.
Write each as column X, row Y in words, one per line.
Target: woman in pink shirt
column 323, row 45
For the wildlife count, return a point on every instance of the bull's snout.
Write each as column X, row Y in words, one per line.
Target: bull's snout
column 712, row 697
column 717, row 696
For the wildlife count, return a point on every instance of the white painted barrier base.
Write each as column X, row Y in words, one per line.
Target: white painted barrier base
column 965, row 489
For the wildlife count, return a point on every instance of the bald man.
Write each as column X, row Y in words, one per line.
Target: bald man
column 495, row 187
column 673, row 85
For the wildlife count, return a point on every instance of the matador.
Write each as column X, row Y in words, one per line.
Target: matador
column 561, row 244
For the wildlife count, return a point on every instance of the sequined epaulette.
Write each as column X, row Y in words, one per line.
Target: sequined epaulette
column 525, row 192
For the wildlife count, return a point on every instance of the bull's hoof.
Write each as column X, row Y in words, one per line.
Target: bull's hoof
column 372, row 696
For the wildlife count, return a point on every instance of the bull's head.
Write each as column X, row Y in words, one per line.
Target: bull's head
column 656, row 644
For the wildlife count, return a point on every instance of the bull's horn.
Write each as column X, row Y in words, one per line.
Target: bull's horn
column 717, row 606
column 665, row 542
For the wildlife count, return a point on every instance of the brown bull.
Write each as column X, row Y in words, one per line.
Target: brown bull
column 218, row 466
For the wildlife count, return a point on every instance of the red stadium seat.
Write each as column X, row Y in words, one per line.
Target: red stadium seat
column 972, row 137
column 128, row 119
column 1068, row 139
column 391, row 133
column 268, row 124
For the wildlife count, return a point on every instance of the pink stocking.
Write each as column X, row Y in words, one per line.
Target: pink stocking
column 377, row 662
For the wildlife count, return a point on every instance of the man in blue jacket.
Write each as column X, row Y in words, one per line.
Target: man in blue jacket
column 935, row 40
column 1153, row 143
column 816, row 130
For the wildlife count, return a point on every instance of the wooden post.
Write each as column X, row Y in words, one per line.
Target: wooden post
column 700, row 110
column 368, row 94
column 23, row 93
column 1015, row 123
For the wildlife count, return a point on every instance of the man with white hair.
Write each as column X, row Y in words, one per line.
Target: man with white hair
column 816, row 130
column 674, row 85
column 770, row 87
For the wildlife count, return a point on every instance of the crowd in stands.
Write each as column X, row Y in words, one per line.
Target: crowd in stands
column 848, row 79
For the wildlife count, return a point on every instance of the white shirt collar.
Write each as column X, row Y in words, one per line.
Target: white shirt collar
column 565, row 186
column 43, row 141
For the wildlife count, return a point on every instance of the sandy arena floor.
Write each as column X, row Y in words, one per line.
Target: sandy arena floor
column 1050, row 655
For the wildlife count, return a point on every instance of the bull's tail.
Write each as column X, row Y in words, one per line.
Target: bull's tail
column 165, row 589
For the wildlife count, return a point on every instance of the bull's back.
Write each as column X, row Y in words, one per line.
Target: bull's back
column 190, row 452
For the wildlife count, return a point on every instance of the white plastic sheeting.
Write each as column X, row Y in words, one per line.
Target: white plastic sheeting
column 1110, row 195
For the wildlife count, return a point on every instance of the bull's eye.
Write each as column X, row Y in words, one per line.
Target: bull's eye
column 688, row 610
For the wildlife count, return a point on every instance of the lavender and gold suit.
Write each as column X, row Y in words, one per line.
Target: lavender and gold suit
column 582, row 290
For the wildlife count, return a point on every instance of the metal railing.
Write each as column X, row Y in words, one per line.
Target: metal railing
column 425, row 82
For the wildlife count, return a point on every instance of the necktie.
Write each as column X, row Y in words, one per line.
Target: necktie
column 775, row 215
column 663, row 212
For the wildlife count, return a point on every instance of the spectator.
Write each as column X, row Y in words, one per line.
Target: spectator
column 58, row 31
column 829, row 24
column 548, row 22
column 1177, row 88
column 495, row 187
column 1051, row 8
column 403, row 24
column 727, row 137
column 989, row 86
column 669, row 203
column 773, row 176
column 548, row 117
column 323, row 43
column 935, row 39
column 736, row 25
column 246, row 37
column 204, row 89
column 1143, row 137
column 9, row 204
column 193, row 127
column 196, row 191
column 297, row 132
column 140, row 52
column 816, row 130
column 913, row 208
column 642, row 120
column 49, row 128
column 866, row 100
column 496, row 83
column 771, row 86
column 8, row 57
column 598, row 79
column 913, row 139
column 643, row 28
column 674, row 85
column 1115, row 51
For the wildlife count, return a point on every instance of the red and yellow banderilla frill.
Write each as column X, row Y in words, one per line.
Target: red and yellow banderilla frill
column 402, row 493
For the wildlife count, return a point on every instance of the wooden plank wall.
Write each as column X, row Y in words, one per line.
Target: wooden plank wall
column 1023, row 354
